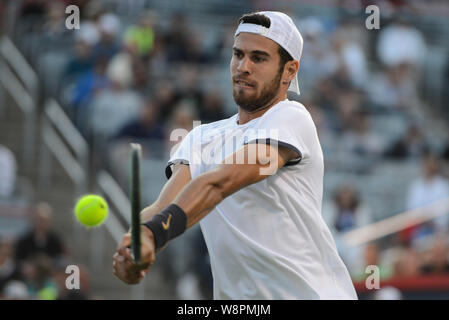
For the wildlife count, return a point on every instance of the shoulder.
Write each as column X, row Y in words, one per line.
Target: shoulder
column 289, row 112
column 295, row 109
column 200, row 132
column 216, row 125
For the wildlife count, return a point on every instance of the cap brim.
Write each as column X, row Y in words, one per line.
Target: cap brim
column 294, row 85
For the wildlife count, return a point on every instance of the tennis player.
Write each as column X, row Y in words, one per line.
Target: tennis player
column 254, row 181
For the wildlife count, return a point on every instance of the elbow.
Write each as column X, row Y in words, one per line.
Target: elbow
column 215, row 190
column 224, row 188
column 218, row 185
column 216, row 193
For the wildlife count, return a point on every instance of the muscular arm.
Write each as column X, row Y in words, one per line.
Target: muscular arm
column 204, row 192
column 198, row 197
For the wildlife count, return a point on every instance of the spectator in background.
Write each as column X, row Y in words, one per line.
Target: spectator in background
column 15, row 290
column 347, row 211
column 8, row 172
column 32, row 8
column 158, row 63
column 142, row 35
column 147, row 129
column 426, row 190
column 41, row 239
column 40, row 282
column 411, row 146
column 81, row 60
column 223, row 43
column 401, row 48
column 109, row 44
column 360, row 147
column 212, row 108
column 350, row 58
column 177, row 39
column 347, row 107
column 188, row 84
column 399, row 43
column 408, row 264
column 9, row 269
column 84, row 90
column 324, row 96
column 54, row 40
column 194, row 52
column 147, row 126
column 436, row 260
column 166, row 98
column 111, row 108
column 394, row 89
column 54, row 26
column 141, row 76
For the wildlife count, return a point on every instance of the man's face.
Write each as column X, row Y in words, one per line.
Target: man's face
column 255, row 71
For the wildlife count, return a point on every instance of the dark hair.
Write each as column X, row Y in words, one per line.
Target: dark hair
column 263, row 20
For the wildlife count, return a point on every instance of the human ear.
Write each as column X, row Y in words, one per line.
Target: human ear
column 290, row 70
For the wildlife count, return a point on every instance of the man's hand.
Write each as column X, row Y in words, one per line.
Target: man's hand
column 124, row 267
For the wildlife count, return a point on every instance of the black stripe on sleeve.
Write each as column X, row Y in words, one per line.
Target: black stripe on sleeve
column 269, row 141
column 168, row 170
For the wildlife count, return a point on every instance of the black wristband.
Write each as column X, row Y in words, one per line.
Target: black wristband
column 166, row 225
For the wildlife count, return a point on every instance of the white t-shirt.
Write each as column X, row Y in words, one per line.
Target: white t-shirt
column 269, row 240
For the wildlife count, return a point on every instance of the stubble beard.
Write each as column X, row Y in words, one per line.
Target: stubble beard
column 252, row 103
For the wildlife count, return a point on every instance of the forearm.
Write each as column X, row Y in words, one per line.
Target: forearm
column 203, row 193
column 150, row 211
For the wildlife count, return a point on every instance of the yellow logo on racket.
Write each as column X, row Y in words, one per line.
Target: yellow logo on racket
column 167, row 224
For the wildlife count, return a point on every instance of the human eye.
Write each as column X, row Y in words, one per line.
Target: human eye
column 257, row 58
column 238, row 54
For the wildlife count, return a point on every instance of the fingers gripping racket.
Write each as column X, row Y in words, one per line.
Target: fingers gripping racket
column 135, row 198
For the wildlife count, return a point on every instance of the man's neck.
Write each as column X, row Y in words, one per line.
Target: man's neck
column 246, row 116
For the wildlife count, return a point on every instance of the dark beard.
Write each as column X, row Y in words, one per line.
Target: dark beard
column 268, row 93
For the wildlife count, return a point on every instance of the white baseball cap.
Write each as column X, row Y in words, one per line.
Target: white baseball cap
column 283, row 31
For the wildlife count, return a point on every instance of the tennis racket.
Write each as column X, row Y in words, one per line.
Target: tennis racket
column 135, row 200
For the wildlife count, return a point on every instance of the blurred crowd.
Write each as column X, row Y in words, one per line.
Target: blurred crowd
column 128, row 81
column 417, row 250
column 33, row 265
column 138, row 79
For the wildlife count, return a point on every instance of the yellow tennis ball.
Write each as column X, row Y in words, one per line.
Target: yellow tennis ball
column 91, row 210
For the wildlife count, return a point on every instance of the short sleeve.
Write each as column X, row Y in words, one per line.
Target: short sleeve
column 180, row 153
column 290, row 126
